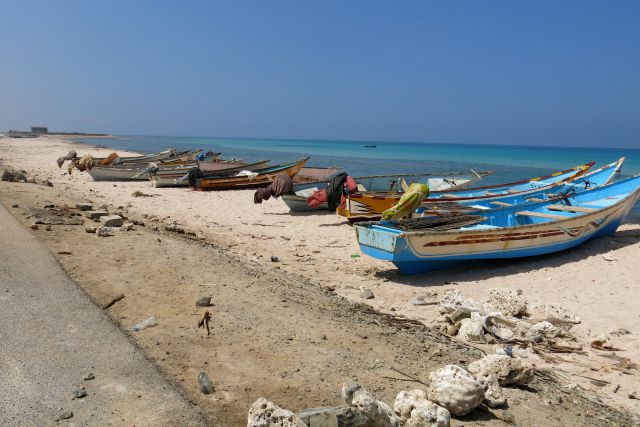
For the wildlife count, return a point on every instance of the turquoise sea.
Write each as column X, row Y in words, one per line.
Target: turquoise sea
column 510, row 163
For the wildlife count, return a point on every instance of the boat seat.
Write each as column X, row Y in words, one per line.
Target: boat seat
column 541, row 215
column 501, row 203
column 570, row 208
column 361, row 188
column 491, row 194
column 535, row 199
column 513, row 191
column 449, row 196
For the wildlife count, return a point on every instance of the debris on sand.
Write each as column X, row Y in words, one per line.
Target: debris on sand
column 206, row 387
column 64, row 415
column 204, row 302
column 138, row 193
column 367, row 294
column 55, row 216
column 105, row 231
column 603, row 342
column 455, row 389
column 84, row 206
column 559, row 312
column 10, row 174
column 263, row 413
column 174, row 228
column 112, row 220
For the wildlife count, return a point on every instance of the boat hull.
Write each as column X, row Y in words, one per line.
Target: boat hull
column 420, row 252
column 263, row 178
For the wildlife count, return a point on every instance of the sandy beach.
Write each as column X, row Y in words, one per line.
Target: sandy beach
column 318, row 258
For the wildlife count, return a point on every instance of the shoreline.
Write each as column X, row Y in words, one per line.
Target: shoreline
column 318, row 249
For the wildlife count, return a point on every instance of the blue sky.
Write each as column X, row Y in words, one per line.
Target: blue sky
column 493, row 72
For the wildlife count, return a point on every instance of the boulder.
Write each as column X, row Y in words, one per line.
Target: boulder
column 111, row 220
column 263, row 413
column 455, row 389
column 414, row 410
column 378, row 413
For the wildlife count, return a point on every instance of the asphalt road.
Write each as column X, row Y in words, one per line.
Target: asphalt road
column 52, row 335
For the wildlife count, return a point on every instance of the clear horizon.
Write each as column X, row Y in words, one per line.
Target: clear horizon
column 550, row 74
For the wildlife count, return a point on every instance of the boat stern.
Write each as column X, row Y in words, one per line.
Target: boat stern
column 377, row 241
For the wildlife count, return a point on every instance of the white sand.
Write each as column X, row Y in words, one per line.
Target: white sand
column 604, row 294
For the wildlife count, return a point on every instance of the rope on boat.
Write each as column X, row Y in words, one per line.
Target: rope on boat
column 440, row 223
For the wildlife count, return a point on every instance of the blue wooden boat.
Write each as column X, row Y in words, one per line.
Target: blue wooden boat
column 420, row 245
column 370, row 205
column 601, row 176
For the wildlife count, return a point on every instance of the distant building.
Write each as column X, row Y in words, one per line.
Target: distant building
column 39, row 130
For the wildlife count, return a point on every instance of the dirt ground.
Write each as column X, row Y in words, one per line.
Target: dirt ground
column 274, row 334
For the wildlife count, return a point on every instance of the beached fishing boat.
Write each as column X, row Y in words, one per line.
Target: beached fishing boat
column 594, row 178
column 250, row 179
column 140, row 171
column 419, row 245
column 297, row 201
column 172, row 178
column 370, row 205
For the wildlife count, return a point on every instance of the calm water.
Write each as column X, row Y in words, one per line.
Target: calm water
column 510, row 163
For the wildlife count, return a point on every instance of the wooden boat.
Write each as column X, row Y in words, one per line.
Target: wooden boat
column 170, row 153
column 316, row 174
column 140, row 171
column 419, row 245
column 257, row 178
column 172, row 178
column 370, row 205
column 602, row 176
column 377, row 183
column 312, row 180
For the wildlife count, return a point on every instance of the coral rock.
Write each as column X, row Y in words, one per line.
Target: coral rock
column 471, row 330
column 560, row 312
column 263, row 413
column 415, row 410
column 454, row 299
column 501, row 368
column 509, row 302
column 378, row 413
column 455, row 389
